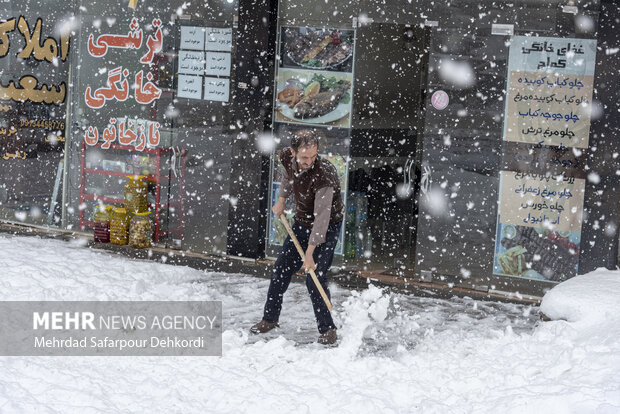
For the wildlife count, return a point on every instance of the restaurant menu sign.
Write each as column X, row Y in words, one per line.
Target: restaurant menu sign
column 546, row 134
column 204, row 63
column 315, row 81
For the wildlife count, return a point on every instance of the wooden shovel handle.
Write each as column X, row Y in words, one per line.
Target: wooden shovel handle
column 284, row 221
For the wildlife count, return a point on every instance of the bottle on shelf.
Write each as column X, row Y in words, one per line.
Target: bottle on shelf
column 136, row 192
column 141, row 230
column 350, row 232
column 368, row 243
column 101, row 228
column 361, row 223
column 119, row 226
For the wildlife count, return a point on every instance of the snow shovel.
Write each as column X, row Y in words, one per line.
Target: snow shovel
column 284, row 221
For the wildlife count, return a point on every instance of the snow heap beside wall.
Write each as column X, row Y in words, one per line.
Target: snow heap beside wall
column 587, row 302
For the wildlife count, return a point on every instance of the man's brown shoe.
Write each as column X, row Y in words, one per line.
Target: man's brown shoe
column 328, row 337
column 263, row 326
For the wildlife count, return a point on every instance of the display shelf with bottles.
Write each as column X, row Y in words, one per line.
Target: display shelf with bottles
column 103, row 174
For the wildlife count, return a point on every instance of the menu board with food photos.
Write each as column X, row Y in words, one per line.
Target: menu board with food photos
column 314, row 84
column 546, row 134
column 314, row 90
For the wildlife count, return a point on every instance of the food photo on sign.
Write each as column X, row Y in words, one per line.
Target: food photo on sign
column 536, row 253
column 317, row 48
column 314, row 97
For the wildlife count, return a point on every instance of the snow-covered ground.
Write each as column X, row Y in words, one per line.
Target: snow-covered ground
column 397, row 353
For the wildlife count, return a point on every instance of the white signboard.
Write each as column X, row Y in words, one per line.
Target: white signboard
column 189, row 86
column 192, row 63
column 192, row 38
column 218, row 39
column 547, row 129
column 218, row 64
column 217, row 89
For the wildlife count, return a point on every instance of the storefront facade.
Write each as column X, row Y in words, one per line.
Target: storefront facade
column 474, row 140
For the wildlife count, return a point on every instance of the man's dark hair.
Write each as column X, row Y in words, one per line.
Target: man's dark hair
column 305, row 138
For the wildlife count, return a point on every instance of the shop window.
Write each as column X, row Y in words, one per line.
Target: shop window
column 153, row 96
column 34, row 91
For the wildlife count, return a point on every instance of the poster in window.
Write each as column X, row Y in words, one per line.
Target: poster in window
column 539, row 232
column 189, row 86
column 317, row 48
column 192, row 38
column 546, row 134
column 218, row 64
column 191, row 63
column 218, row 39
column 217, row 89
column 550, row 84
column 314, row 97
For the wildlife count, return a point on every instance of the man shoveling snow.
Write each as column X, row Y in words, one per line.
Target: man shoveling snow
column 319, row 211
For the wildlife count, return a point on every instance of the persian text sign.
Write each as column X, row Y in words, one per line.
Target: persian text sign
column 552, row 55
column 213, row 64
column 546, row 129
column 219, row 39
column 29, row 88
column 111, row 328
column 550, row 91
column 122, row 84
column 549, row 109
column 542, row 200
column 38, row 117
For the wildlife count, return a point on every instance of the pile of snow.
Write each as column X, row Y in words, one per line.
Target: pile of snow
column 587, row 300
column 360, row 310
column 397, row 353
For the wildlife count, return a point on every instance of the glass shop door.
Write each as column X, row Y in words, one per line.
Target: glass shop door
column 461, row 154
column 390, row 78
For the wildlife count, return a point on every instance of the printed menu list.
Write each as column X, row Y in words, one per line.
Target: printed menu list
column 546, row 134
column 204, row 64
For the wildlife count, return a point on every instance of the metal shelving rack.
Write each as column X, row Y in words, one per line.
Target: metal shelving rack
column 156, row 178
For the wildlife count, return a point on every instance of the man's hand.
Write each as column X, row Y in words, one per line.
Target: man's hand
column 308, row 259
column 278, row 207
